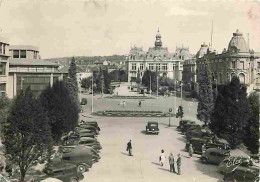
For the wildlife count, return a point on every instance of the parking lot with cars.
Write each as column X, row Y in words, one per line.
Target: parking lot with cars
column 116, row 165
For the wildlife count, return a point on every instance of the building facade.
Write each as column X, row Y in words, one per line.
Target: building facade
column 237, row 60
column 157, row 58
column 4, row 65
column 26, row 69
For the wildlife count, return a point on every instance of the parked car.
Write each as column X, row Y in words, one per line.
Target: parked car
column 87, row 135
column 83, row 130
column 245, row 176
column 78, row 155
column 63, row 171
column 198, row 142
column 93, row 123
column 183, row 122
column 90, row 127
column 91, row 142
column 198, row 134
column 214, row 155
column 185, row 127
column 152, row 127
column 242, row 168
column 84, row 101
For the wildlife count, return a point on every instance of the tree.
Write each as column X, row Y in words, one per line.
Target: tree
column 27, row 135
column 86, row 82
column 231, row 112
column 138, row 79
column 205, row 100
column 251, row 137
column 180, row 112
column 5, row 104
column 73, row 84
column 61, row 110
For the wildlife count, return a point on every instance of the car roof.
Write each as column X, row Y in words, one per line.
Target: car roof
column 152, row 122
column 86, row 139
column 199, row 139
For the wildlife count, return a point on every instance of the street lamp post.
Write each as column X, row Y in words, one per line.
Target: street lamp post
column 157, row 87
column 150, row 86
column 181, row 92
column 92, row 100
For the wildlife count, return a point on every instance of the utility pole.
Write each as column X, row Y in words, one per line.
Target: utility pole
column 157, row 86
column 181, row 92
column 211, row 35
column 150, row 86
column 92, row 101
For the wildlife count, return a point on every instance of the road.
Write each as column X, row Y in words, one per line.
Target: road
column 116, row 166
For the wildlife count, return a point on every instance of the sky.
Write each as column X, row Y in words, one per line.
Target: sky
column 63, row 28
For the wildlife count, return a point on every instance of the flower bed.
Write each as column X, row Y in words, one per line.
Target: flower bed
column 128, row 97
column 128, row 113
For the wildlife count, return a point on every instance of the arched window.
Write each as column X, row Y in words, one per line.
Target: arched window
column 242, row 78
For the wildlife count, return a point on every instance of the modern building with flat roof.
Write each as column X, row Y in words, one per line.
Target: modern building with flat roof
column 27, row 70
column 4, row 65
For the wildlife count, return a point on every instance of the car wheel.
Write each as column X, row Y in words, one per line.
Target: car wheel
column 204, row 160
column 81, row 168
column 74, row 180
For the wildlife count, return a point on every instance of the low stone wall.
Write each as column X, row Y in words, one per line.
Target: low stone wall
column 126, row 113
column 128, row 97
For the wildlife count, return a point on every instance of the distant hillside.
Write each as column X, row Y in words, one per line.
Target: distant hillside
column 89, row 59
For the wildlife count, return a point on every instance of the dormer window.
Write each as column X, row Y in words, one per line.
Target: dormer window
column 16, row 54
column 23, row 54
column 19, row 53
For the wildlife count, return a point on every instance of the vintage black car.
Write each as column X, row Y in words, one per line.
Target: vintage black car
column 152, row 127
column 239, row 169
column 183, row 122
column 214, row 156
column 185, row 127
column 84, row 101
column 198, row 142
column 63, row 171
column 94, row 129
column 199, row 133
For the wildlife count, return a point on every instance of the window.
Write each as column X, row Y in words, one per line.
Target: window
column 258, row 65
column 2, row 68
column 15, row 53
column 2, row 87
column 35, row 55
column 1, row 49
column 242, row 65
column 233, row 64
column 23, row 54
column 150, row 66
column 164, row 67
column 134, row 66
column 141, row 66
column 213, row 153
column 173, row 68
column 158, row 66
column 242, row 78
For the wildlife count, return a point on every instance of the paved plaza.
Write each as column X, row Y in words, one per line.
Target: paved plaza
column 116, row 166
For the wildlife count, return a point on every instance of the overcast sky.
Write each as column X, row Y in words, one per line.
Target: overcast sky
column 92, row 28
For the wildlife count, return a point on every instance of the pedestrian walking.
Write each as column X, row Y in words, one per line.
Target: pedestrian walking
column 162, row 157
column 129, row 148
column 191, row 150
column 124, row 104
column 140, row 103
column 179, row 164
column 171, row 162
